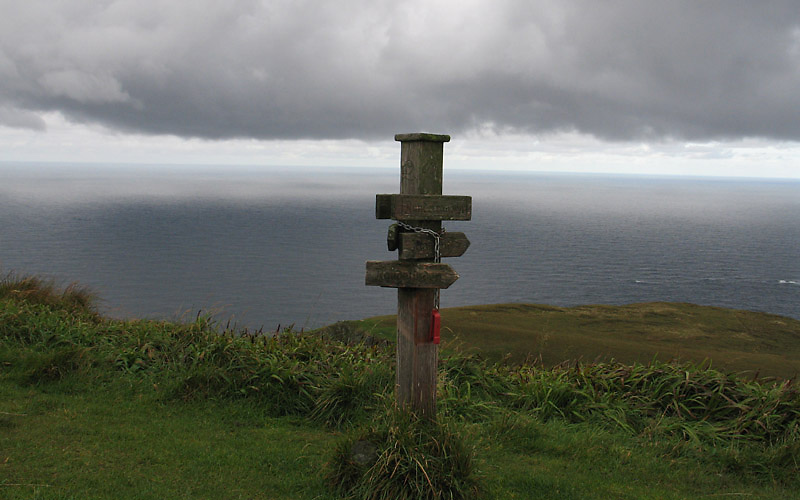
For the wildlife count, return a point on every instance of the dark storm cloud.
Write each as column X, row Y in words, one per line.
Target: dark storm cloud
column 359, row 69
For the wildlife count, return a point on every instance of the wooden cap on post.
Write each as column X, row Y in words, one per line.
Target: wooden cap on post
column 421, row 137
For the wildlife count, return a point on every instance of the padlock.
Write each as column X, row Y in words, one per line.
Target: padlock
column 393, row 237
column 436, row 326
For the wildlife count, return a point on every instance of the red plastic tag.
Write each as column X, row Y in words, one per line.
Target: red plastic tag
column 436, row 326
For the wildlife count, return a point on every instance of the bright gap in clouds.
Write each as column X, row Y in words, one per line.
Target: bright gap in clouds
column 67, row 142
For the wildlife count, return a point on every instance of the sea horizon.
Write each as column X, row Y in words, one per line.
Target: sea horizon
column 264, row 246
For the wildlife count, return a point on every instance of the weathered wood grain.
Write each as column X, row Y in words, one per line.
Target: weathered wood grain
column 409, row 274
column 405, row 207
column 421, row 246
column 416, row 353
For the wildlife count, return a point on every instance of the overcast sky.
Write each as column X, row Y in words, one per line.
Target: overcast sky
column 689, row 87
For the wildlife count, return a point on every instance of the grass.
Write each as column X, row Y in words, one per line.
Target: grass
column 403, row 457
column 74, row 298
column 733, row 340
column 98, row 408
column 114, row 443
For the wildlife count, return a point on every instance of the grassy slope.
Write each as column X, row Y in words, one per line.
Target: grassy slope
column 95, row 408
column 732, row 339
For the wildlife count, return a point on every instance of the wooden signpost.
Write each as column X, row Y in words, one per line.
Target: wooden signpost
column 418, row 275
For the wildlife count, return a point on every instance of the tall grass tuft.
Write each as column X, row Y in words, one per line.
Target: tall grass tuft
column 289, row 373
column 351, row 395
column 74, row 298
column 405, row 458
column 470, row 388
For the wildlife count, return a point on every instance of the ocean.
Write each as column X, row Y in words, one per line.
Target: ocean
column 266, row 246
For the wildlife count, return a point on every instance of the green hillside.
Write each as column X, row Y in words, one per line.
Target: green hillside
column 733, row 340
column 97, row 408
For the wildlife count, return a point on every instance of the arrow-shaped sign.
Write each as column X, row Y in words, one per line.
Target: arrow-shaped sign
column 421, row 246
column 409, row 274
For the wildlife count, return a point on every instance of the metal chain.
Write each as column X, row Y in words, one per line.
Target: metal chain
column 437, row 255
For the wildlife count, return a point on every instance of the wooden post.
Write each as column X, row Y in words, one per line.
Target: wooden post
column 421, row 164
column 416, row 276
